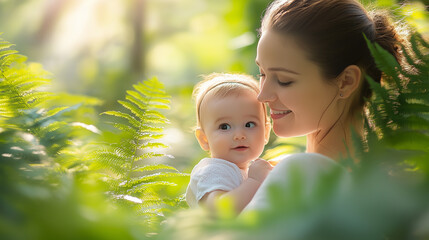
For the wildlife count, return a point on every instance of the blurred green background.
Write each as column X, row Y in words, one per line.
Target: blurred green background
column 100, row 48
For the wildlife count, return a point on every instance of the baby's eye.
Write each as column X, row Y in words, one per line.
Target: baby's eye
column 224, row 126
column 250, row 124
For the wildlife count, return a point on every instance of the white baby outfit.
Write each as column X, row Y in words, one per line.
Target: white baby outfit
column 212, row 174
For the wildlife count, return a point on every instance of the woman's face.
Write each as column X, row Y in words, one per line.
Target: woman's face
column 301, row 100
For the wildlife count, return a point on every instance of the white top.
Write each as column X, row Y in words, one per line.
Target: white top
column 312, row 166
column 212, row 174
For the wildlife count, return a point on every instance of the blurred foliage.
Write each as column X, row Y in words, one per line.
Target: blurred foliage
column 398, row 114
column 334, row 205
column 53, row 189
column 53, row 169
column 38, row 202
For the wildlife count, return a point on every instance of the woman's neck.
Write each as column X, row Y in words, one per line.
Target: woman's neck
column 335, row 142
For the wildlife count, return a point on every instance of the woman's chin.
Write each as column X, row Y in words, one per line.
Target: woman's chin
column 284, row 131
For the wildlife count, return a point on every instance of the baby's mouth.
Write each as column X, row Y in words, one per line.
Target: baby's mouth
column 241, row 148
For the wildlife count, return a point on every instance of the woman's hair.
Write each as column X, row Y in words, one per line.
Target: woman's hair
column 221, row 85
column 332, row 33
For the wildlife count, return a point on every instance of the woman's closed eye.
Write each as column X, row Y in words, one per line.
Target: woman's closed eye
column 284, row 83
column 224, row 126
column 250, row 125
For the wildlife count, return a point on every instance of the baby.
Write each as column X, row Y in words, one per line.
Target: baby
column 233, row 126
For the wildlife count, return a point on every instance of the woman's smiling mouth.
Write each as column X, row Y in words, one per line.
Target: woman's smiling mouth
column 279, row 114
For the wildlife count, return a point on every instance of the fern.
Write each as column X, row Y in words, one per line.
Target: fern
column 20, row 90
column 399, row 110
column 42, row 148
column 20, row 83
column 27, row 114
column 133, row 179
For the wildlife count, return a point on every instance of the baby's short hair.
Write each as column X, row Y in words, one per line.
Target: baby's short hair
column 222, row 84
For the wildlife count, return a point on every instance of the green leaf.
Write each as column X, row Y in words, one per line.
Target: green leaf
column 134, row 109
column 154, row 145
column 155, row 167
column 126, row 116
column 384, row 60
column 160, row 176
column 7, row 52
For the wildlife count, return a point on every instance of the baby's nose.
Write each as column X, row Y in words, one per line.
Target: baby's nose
column 239, row 135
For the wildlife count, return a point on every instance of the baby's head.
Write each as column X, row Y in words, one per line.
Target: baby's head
column 231, row 123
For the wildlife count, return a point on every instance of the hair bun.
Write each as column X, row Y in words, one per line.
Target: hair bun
column 386, row 34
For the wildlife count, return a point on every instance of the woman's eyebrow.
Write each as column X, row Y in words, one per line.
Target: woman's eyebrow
column 282, row 69
column 279, row 69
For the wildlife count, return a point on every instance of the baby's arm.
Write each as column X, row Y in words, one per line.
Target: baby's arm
column 243, row 193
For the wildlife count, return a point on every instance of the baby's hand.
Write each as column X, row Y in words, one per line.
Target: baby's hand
column 259, row 169
column 274, row 162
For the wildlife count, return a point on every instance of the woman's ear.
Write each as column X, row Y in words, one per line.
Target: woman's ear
column 267, row 131
column 349, row 81
column 202, row 139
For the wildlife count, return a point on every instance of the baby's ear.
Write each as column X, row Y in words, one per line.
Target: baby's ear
column 267, row 131
column 202, row 139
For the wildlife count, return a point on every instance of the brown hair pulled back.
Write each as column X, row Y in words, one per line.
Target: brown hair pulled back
column 332, row 33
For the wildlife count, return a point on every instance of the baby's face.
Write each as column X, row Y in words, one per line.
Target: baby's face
column 235, row 127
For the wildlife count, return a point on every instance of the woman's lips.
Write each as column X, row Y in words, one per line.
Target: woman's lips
column 279, row 114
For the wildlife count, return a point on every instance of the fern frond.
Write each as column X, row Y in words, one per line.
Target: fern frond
column 21, row 107
column 144, row 186
column 5, row 44
column 111, row 161
column 125, row 116
column 125, row 128
column 398, row 110
column 7, row 52
column 146, row 136
column 155, row 177
column 416, row 40
column 7, row 60
column 20, row 84
column 154, row 145
column 139, row 113
column 148, row 128
column 155, row 167
column 126, row 158
column 385, row 61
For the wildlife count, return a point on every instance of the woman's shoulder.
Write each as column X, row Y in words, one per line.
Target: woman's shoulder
column 309, row 167
column 307, row 163
column 301, row 158
column 305, row 158
column 313, row 156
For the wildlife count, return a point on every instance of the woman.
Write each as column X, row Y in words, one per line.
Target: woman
column 313, row 57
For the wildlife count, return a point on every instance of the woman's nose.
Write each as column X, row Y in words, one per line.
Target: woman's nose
column 266, row 94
